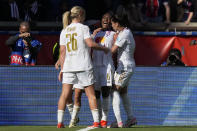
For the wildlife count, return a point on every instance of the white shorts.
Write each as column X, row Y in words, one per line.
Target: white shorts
column 122, row 78
column 103, row 77
column 83, row 78
column 78, row 86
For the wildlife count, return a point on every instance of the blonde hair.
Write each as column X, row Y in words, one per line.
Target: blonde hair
column 75, row 12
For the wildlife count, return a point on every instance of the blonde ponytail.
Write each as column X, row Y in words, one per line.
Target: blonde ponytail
column 75, row 12
column 66, row 19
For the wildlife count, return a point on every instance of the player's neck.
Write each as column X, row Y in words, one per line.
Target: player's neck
column 121, row 29
column 76, row 21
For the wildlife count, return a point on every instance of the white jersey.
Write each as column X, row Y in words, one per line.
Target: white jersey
column 77, row 52
column 126, row 44
column 103, row 38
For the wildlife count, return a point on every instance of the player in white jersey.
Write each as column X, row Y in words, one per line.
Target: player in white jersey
column 76, row 65
column 125, row 47
column 103, row 67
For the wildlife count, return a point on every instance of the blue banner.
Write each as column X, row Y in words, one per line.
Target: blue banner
column 159, row 96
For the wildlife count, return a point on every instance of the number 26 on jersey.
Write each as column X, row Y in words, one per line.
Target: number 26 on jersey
column 72, row 42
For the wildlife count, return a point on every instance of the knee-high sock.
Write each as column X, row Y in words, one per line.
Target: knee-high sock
column 60, row 116
column 105, row 108
column 76, row 110
column 95, row 115
column 127, row 105
column 116, row 106
column 70, row 108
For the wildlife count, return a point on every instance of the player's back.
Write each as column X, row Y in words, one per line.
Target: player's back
column 77, row 52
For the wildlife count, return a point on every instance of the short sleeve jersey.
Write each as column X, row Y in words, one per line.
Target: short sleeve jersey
column 77, row 52
column 126, row 44
column 103, row 38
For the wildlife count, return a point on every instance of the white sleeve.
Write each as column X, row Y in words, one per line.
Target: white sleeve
column 120, row 42
column 62, row 38
column 86, row 32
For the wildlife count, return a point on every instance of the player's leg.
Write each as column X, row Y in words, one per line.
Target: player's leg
column 131, row 120
column 69, row 105
column 105, row 105
column 89, row 90
column 106, row 83
column 64, row 97
column 77, row 106
column 86, row 79
column 97, row 88
column 68, row 79
column 116, row 98
column 123, row 84
column 116, row 107
column 98, row 100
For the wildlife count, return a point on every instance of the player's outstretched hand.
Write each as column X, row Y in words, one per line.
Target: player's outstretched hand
column 96, row 31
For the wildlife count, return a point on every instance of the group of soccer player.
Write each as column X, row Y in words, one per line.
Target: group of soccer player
column 93, row 70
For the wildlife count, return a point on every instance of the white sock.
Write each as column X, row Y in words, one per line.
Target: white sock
column 70, row 108
column 95, row 114
column 116, row 106
column 127, row 105
column 75, row 113
column 60, row 116
column 99, row 108
column 105, row 108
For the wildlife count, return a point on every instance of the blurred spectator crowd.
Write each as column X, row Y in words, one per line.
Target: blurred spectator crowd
column 140, row 11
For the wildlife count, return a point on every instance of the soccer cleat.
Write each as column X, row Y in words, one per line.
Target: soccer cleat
column 130, row 122
column 95, row 125
column 60, row 125
column 74, row 123
column 120, row 125
column 103, row 124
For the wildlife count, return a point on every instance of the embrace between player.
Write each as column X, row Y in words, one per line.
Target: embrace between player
column 77, row 67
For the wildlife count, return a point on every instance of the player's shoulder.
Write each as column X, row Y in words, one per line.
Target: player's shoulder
column 126, row 32
column 112, row 33
column 63, row 30
column 85, row 27
column 81, row 25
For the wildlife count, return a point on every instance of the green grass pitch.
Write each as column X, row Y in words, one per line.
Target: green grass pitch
column 82, row 128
